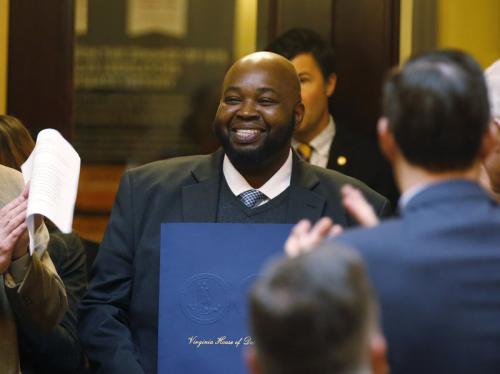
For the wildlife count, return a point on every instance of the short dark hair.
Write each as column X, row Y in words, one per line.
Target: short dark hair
column 311, row 314
column 299, row 40
column 437, row 108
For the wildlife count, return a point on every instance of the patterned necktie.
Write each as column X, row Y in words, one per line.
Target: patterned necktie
column 305, row 151
column 252, row 198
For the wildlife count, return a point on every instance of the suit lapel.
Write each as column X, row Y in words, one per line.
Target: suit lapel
column 200, row 199
column 338, row 149
column 304, row 202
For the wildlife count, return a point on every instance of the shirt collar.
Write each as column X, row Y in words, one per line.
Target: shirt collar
column 410, row 194
column 323, row 141
column 414, row 191
column 278, row 183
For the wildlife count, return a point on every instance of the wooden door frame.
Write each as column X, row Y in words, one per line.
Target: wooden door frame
column 40, row 64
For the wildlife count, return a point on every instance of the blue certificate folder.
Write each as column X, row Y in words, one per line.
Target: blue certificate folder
column 206, row 270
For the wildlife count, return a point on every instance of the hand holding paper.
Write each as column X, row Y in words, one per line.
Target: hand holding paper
column 52, row 170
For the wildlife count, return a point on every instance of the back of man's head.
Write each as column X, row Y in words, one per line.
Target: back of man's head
column 313, row 314
column 437, row 108
column 300, row 40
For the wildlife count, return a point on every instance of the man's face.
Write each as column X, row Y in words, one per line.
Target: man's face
column 257, row 114
column 315, row 91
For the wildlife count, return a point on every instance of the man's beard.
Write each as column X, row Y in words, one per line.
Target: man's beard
column 252, row 159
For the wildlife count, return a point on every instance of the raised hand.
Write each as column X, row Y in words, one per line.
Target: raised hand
column 357, row 206
column 303, row 238
column 13, row 234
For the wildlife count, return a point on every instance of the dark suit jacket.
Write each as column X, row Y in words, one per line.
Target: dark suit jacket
column 119, row 315
column 60, row 351
column 437, row 274
column 364, row 162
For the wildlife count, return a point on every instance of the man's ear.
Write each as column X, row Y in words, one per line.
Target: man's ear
column 330, row 84
column 298, row 113
column 252, row 360
column 489, row 140
column 378, row 354
column 386, row 140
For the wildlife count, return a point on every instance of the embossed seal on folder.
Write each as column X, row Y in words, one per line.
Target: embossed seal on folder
column 205, row 298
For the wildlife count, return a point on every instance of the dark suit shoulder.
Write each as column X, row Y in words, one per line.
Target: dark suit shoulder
column 373, row 237
column 172, row 167
column 172, row 174
column 146, row 190
column 340, row 178
column 334, row 180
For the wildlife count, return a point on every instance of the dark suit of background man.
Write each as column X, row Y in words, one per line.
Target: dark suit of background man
column 331, row 144
column 259, row 109
column 436, row 269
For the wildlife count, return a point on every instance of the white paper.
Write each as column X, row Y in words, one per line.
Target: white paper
column 52, row 170
column 162, row 16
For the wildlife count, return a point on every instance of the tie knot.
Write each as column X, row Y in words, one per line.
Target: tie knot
column 251, row 198
column 305, row 151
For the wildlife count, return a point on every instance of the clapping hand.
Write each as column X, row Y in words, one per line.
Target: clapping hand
column 304, row 237
column 13, row 233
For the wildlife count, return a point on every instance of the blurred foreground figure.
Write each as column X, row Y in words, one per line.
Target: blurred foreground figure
column 436, row 269
column 315, row 314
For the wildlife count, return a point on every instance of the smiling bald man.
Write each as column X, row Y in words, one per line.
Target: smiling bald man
column 254, row 178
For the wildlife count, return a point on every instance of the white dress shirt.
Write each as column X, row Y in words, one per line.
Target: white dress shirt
column 278, row 183
column 321, row 145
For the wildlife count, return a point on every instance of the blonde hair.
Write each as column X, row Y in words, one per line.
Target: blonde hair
column 16, row 143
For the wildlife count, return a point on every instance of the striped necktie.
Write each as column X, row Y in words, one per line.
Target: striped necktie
column 305, row 151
